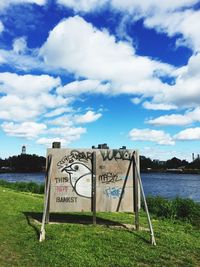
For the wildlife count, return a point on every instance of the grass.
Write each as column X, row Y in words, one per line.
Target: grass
column 74, row 244
column 24, row 186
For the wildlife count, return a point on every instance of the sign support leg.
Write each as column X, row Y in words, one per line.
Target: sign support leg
column 94, row 191
column 45, row 217
column 135, row 193
column 153, row 241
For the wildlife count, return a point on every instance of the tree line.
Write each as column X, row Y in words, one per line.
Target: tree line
column 23, row 163
column 34, row 163
column 173, row 163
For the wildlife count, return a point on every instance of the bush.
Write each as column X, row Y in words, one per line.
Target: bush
column 160, row 207
column 178, row 208
column 24, row 186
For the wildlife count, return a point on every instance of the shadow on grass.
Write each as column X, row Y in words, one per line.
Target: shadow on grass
column 69, row 218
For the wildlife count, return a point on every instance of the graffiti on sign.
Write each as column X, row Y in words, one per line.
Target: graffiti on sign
column 66, row 199
column 61, row 189
column 61, row 180
column 80, row 176
column 75, row 155
column 113, row 192
column 109, row 177
column 72, row 180
column 116, row 154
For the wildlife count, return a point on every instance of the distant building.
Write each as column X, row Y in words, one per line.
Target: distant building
column 23, row 150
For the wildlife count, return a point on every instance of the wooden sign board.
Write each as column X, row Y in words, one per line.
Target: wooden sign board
column 74, row 172
column 93, row 180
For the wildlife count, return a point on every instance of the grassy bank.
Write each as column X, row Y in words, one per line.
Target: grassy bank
column 24, row 186
column 74, row 244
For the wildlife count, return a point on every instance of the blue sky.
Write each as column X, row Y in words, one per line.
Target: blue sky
column 85, row 72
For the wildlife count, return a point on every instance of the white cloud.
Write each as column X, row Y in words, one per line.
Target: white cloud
column 69, row 133
column 17, row 108
column 26, row 97
column 6, row 3
column 174, row 119
column 155, row 106
column 84, row 86
column 1, row 27
column 82, row 5
column 172, row 16
column 159, row 137
column 28, row 60
column 136, row 100
column 65, row 135
column 48, row 141
column 186, row 91
column 189, row 117
column 64, row 120
column 101, row 58
column 2, row 59
column 150, row 6
column 184, row 22
column 88, row 117
column 189, row 134
column 130, row 6
column 28, row 130
column 19, row 45
column 27, row 85
column 58, row 112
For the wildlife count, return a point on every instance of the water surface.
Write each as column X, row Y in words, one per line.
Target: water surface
column 167, row 185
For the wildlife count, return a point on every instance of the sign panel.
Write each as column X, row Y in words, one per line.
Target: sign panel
column 71, row 180
column 114, row 180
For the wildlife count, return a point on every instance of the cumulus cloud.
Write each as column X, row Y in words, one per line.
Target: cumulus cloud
column 69, row 133
column 88, row 117
column 82, row 5
column 159, row 137
column 171, row 17
column 58, row 111
column 48, row 141
column 18, row 108
column 27, row 85
column 136, row 100
column 174, row 119
column 28, row 130
column 143, row 7
column 65, row 135
column 63, row 120
column 188, row 134
column 1, row 27
column 150, row 6
column 185, row 93
column 189, row 117
column 84, row 86
column 155, row 106
column 101, row 58
column 5, row 3
column 184, row 22
column 19, row 45
column 25, row 97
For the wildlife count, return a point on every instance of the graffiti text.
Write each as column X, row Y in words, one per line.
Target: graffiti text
column 109, row 177
column 66, row 199
column 116, row 154
column 113, row 192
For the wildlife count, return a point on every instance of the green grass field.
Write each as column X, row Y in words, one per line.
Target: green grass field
column 82, row 244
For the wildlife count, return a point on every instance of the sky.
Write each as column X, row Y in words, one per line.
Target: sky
column 87, row 72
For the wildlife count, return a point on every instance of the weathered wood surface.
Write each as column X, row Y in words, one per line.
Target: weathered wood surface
column 71, row 180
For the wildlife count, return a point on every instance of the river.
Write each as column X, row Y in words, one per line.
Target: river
column 167, row 185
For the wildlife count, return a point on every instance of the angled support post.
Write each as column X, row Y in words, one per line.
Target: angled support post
column 45, row 217
column 135, row 162
column 94, row 188
column 153, row 241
